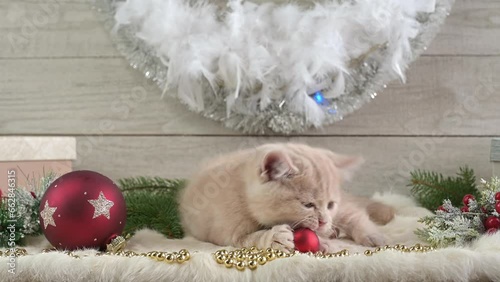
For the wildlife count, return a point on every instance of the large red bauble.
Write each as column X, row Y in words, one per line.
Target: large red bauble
column 306, row 240
column 492, row 222
column 497, row 207
column 82, row 209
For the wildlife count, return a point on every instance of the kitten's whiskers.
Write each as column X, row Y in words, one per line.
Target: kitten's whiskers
column 306, row 219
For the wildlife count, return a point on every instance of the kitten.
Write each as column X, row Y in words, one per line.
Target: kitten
column 255, row 197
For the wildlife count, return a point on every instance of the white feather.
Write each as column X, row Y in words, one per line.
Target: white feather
column 267, row 53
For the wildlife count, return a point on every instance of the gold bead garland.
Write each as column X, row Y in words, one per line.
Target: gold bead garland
column 239, row 259
column 167, row 257
column 248, row 257
column 18, row 252
column 251, row 258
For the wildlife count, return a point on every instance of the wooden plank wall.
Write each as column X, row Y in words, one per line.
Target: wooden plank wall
column 61, row 75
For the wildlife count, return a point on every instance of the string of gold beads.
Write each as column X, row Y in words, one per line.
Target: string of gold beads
column 248, row 257
column 175, row 257
column 251, row 258
column 417, row 248
column 18, row 252
column 168, row 257
column 240, row 259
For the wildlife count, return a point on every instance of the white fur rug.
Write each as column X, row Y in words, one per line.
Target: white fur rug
column 478, row 262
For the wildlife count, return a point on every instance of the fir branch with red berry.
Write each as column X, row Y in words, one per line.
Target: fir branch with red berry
column 430, row 188
column 452, row 225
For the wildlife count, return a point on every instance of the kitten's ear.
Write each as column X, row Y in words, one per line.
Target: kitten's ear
column 276, row 165
column 347, row 164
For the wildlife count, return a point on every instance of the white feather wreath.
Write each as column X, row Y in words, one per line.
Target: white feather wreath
column 278, row 67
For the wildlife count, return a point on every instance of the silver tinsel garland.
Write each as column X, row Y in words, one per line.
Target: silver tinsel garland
column 366, row 78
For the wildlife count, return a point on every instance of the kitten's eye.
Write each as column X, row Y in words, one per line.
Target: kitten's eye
column 330, row 205
column 309, row 205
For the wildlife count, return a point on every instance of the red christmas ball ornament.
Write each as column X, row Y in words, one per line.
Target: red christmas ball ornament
column 464, row 209
column 497, row 196
column 492, row 222
column 306, row 240
column 82, row 209
column 467, row 198
column 497, row 207
column 484, row 210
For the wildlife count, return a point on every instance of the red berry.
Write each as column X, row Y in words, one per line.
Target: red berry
column 497, row 196
column 492, row 222
column 483, row 209
column 467, row 198
column 441, row 208
column 491, row 231
column 464, row 209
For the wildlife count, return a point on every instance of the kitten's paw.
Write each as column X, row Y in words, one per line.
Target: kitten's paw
column 371, row 240
column 282, row 238
column 326, row 246
column 333, row 245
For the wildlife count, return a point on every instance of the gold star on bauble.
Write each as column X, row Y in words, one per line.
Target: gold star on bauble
column 101, row 206
column 47, row 215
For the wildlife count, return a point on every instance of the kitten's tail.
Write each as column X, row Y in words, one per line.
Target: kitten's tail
column 380, row 213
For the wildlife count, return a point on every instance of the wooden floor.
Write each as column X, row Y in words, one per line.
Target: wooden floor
column 61, row 75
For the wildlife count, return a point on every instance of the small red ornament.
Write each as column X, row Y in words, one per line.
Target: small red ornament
column 497, row 207
column 467, row 198
column 306, row 240
column 492, row 222
column 82, row 209
column 491, row 231
column 464, row 209
column 497, row 196
column 441, row 208
column 483, row 209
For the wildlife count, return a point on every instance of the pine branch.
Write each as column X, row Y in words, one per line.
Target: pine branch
column 154, row 184
column 6, row 227
column 152, row 203
column 431, row 188
column 26, row 216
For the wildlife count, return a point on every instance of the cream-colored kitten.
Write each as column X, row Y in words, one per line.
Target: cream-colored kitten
column 255, row 197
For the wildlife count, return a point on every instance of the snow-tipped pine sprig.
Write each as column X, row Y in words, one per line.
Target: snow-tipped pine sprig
column 26, row 204
column 458, row 226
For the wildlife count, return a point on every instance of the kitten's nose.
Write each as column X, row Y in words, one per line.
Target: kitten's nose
column 321, row 223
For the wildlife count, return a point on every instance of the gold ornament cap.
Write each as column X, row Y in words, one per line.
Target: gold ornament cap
column 117, row 244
